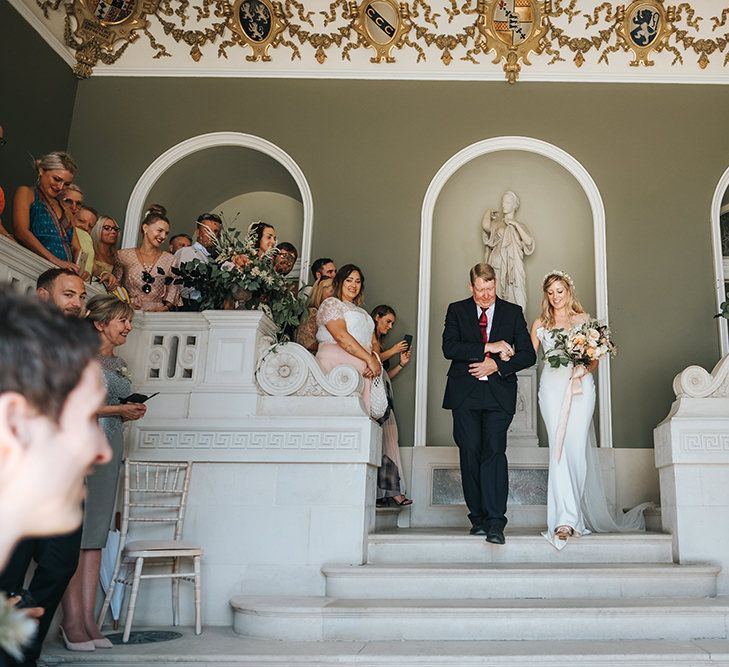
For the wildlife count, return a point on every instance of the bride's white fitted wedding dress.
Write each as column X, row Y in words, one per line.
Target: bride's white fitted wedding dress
column 575, row 494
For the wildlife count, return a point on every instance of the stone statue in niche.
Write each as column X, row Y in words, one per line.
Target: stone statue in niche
column 506, row 243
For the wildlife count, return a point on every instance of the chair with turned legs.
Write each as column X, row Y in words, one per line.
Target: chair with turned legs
column 155, row 493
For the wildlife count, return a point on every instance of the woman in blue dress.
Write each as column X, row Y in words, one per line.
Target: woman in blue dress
column 39, row 221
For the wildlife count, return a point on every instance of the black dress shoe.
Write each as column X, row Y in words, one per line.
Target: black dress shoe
column 477, row 530
column 495, row 536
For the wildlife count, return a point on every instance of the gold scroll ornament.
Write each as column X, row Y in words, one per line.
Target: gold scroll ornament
column 100, row 24
column 257, row 24
column 512, row 29
column 382, row 24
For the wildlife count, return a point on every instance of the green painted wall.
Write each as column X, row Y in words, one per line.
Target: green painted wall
column 36, row 102
column 369, row 150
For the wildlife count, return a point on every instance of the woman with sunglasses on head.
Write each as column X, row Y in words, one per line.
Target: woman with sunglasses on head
column 148, row 269
column 72, row 202
column 39, row 220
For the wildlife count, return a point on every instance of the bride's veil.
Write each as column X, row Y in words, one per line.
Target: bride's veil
column 598, row 516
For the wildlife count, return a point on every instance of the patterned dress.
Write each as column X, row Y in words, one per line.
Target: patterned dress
column 101, row 484
column 55, row 234
column 160, row 293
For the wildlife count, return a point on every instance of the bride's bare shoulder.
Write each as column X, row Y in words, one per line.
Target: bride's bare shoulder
column 581, row 318
column 536, row 324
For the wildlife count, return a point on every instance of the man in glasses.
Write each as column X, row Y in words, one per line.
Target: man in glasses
column 207, row 234
column 285, row 258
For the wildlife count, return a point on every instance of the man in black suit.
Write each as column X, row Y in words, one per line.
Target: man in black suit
column 487, row 341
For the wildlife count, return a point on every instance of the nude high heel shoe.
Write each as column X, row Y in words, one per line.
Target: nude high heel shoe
column 76, row 646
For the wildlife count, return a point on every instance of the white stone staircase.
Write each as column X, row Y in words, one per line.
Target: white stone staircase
column 438, row 585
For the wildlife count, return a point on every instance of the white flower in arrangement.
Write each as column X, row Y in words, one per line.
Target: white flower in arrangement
column 581, row 345
column 16, row 629
column 123, row 371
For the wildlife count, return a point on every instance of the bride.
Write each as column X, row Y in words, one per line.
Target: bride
column 576, row 503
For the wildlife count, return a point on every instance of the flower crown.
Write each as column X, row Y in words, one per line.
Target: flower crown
column 561, row 274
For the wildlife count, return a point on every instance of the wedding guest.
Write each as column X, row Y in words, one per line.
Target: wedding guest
column 207, row 235
column 285, row 258
column 306, row 332
column 71, row 200
column 265, row 237
column 112, row 320
column 107, row 269
column 323, row 267
column 390, row 488
column 147, row 273
column 84, row 222
column 56, row 557
column 346, row 331
column 179, row 241
column 39, row 221
column 3, row 232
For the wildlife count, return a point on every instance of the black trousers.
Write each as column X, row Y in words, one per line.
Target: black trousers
column 57, row 560
column 479, row 429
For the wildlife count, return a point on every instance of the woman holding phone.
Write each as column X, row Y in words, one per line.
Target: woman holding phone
column 390, row 486
column 112, row 319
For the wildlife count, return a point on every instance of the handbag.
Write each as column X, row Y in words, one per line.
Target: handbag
column 379, row 403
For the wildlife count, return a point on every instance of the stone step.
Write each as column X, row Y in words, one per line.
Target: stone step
column 596, row 619
column 223, row 648
column 386, row 518
column 440, row 545
column 520, row 580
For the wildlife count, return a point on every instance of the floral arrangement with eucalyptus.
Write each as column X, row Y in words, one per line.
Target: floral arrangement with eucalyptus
column 236, row 277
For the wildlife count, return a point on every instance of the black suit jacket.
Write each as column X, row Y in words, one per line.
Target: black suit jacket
column 462, row 345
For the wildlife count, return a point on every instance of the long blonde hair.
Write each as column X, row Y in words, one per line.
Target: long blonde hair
column 317, row 292
column 574, row 307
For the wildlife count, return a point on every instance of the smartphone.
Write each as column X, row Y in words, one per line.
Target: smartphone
column 137, row 398
column 408, row 339
column 27, row 601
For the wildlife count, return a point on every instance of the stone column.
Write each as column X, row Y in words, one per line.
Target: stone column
column 692, row 456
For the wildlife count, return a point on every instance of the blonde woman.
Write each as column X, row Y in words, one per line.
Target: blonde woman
column 112, row 320
column 107, row 269
column 576, row 503
column 39, row 221
column 306, row 332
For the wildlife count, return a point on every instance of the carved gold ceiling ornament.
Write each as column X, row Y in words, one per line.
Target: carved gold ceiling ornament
column 383, row 25
column 257, row 24
column 101, row 31
column 101, row 24
column 643, row 27
column 512, row 29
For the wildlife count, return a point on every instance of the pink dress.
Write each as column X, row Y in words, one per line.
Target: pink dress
column 360, row 326
column 160, row 293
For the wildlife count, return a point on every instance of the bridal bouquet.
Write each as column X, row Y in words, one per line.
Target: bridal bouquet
column 235, row 273
column 581, row 345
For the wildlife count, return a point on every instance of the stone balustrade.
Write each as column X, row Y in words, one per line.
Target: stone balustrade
column 692, row 457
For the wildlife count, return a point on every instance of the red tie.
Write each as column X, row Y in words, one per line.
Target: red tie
column 483, row 322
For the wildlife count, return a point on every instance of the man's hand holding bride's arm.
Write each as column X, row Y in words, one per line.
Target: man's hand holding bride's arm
column 483, row 368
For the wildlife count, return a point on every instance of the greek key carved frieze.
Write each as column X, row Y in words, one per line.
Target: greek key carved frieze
column 705, row 442
column 512, row 34
column 248, row 440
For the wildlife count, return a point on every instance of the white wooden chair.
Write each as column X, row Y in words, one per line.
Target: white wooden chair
column 155, row 492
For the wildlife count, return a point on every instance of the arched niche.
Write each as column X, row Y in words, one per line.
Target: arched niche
column 594, row 212
column 259, row 165
column 719, row 207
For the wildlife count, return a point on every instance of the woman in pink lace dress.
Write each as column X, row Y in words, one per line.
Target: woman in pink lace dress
column 147, row 269
column 346, row 331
